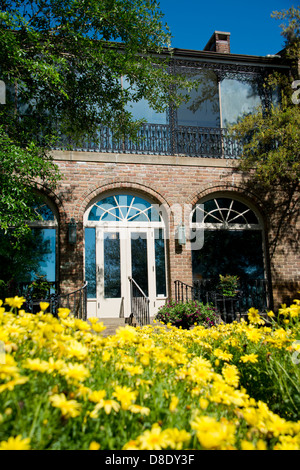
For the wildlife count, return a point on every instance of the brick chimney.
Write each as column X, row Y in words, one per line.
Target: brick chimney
column 219, row 42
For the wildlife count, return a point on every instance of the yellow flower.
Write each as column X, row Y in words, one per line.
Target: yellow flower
column 213, row 434
column 15, row 443
column 143, row 410
column 96, row 396
column 254, row 317
column 15, row 302
column 44, row 306
column 63, row 312
column 224, row 355
column 155, row 439
column 75, row 372
column 76, row 349
column 253, row 358
column 173, row 404
column 231, row 375
column 94, row 446
column 110, row 405
column 176, row 437
column 69, row 408
column 125, row 396
column 203, row 402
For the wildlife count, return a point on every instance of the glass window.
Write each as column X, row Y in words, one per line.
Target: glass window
column 235, row 252
column 123, row 207
column 90, row 261
column 36, row 256
column 202, row 108
column 233, row 241
column 238, row 98
column 141, row 109
column 112, row 265
column 161, row 288
column 139, row 261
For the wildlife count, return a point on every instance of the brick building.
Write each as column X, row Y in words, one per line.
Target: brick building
column 173, row 206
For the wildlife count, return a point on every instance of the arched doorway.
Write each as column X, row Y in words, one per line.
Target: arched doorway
column 233, row 245
column 124, row 237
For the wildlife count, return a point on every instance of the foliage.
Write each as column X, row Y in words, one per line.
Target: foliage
column 186, row 314
column 270, row 137
column 39, row 288
column 22, row 168
column 64, row 385
column 228, row 285
column 64, row 62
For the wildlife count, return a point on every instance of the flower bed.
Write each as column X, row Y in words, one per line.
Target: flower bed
column 187, row 314
column 65, row 386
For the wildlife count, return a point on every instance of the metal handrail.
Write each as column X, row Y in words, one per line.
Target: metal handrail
column 139, row 303
column 75, row 301
column 253, row 293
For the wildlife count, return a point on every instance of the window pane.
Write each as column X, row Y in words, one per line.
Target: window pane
column 45, row 252
column 141, row 109
column 90, row 261
column 112, row 267
column 139, row 263
column 160, row 266
column 238, row 98
column 236, row 252
column 203, row 108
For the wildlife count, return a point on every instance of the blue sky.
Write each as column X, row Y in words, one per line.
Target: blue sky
column 253, row 31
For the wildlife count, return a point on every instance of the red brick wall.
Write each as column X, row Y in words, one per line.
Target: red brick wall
column 165, row 184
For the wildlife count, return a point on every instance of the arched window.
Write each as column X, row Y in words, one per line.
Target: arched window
column 233, row 240
column 124, row 238
column 44, row 241
column 123, row 208
column 36, row 255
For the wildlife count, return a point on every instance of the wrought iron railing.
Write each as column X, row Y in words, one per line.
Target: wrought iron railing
column 162, row 139
column 252, row 293
column 139, row 303
column 76, row 301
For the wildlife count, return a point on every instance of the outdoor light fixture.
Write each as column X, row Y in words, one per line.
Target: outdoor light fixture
column 181, row 235
column 72, row 232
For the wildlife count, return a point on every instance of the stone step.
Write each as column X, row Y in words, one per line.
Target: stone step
column 112, row 324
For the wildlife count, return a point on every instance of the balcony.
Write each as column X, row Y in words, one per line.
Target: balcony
column 162, row 139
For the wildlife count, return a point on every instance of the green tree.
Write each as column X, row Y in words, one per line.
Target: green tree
column 271, row 138
column 62, row 63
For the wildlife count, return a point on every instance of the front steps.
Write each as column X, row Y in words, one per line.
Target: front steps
column 112, row 324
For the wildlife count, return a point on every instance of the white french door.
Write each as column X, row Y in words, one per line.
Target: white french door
column 123, row 252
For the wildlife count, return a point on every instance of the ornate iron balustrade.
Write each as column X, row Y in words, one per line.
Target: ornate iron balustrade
column 139, row 303
column 76, row 301
column 162, row 139
column 252, row 293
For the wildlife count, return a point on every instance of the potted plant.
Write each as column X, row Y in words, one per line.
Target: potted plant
column 228, row 285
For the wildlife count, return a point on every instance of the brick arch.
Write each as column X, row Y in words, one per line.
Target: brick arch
column 55, row 200
column 231, row 190
column 117, row 185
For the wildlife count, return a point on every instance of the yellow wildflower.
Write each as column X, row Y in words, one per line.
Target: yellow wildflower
column 155, row 439
column 173, row 404
column 15, row 302
column 15, row 443
column 253, row 358
column 76, row 372
column 231, row 375
column 94, row 445
column 44, row 306
column 125, row 395
column 69, row 408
